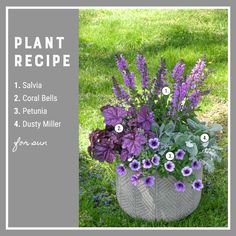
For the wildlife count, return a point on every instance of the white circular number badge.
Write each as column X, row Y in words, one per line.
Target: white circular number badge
column 204, row 138
column 166, row 90
column 170, row 156
column 119, row 128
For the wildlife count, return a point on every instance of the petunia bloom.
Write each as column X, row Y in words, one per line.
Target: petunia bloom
column 147, row 164
column 154, row 143
column 121, row 169
column 149, row 181
column 180, row 186
column 197, row 184
column 186, row 171
column 196, row 165
column 156, row 160
column 135, row 165
column 169, row 166
column 179, row 155
column 134, row 180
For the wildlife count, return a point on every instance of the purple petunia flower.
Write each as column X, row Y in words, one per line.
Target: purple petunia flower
column 197, row 184
column 149, row 181
column 145, row 118
column 133, row 143
column 134, row 180
column 186, row 171
column 147, row 164
column 179, row 155
column 169, row 166
column 121, row 169
column 180, row 186
column 113, row 115
column 135, row 165
column 156, row 160
column 196, row 165
column 154, row 143
column 142, row 68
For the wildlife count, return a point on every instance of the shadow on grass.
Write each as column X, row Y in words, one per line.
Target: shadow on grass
column 176, row 38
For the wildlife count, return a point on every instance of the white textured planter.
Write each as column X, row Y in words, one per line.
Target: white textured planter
column 159, row 202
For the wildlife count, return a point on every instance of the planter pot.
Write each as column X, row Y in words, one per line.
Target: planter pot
column 159, row 202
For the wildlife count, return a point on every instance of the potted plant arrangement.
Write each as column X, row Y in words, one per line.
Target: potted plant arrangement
column 157, row 141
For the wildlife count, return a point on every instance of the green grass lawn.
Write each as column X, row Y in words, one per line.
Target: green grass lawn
column 174, row 35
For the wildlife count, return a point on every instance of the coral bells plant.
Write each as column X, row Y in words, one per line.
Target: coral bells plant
column 153, row 131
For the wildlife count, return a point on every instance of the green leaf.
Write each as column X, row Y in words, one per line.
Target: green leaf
column 193, row 151
column 154, row 127
column 180, row 139
column 216, row 128
column 162, row 129
column 170, row 127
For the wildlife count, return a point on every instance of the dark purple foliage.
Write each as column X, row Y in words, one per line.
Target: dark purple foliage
column 133, row 142
column 145, row 118
column 113, row 115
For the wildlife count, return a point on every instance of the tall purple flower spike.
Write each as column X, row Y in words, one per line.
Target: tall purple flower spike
column 143, row 70
column 129, row 78
column 119, row 91
column 160, row 80
column 177, row 75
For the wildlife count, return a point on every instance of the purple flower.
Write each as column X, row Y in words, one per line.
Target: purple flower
column 121, row 62
column 120, row 93
column 179, row 155
column 156, row 160
column 160, row 80
column 145, row 118
column 113, row 115
column 154, row 143
column 169, row 166
column 121, row 169
column 197, row 184
column 149, row 181
column 194, row 99
column 129, row 79
column 133, row 143
column 142, row 68
column 134, row 180
column 147, row 164
column 177, row 75
column 196, row 165
column 186, row 171
column 135, row 165
column 197, row 74
column 180, row 186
